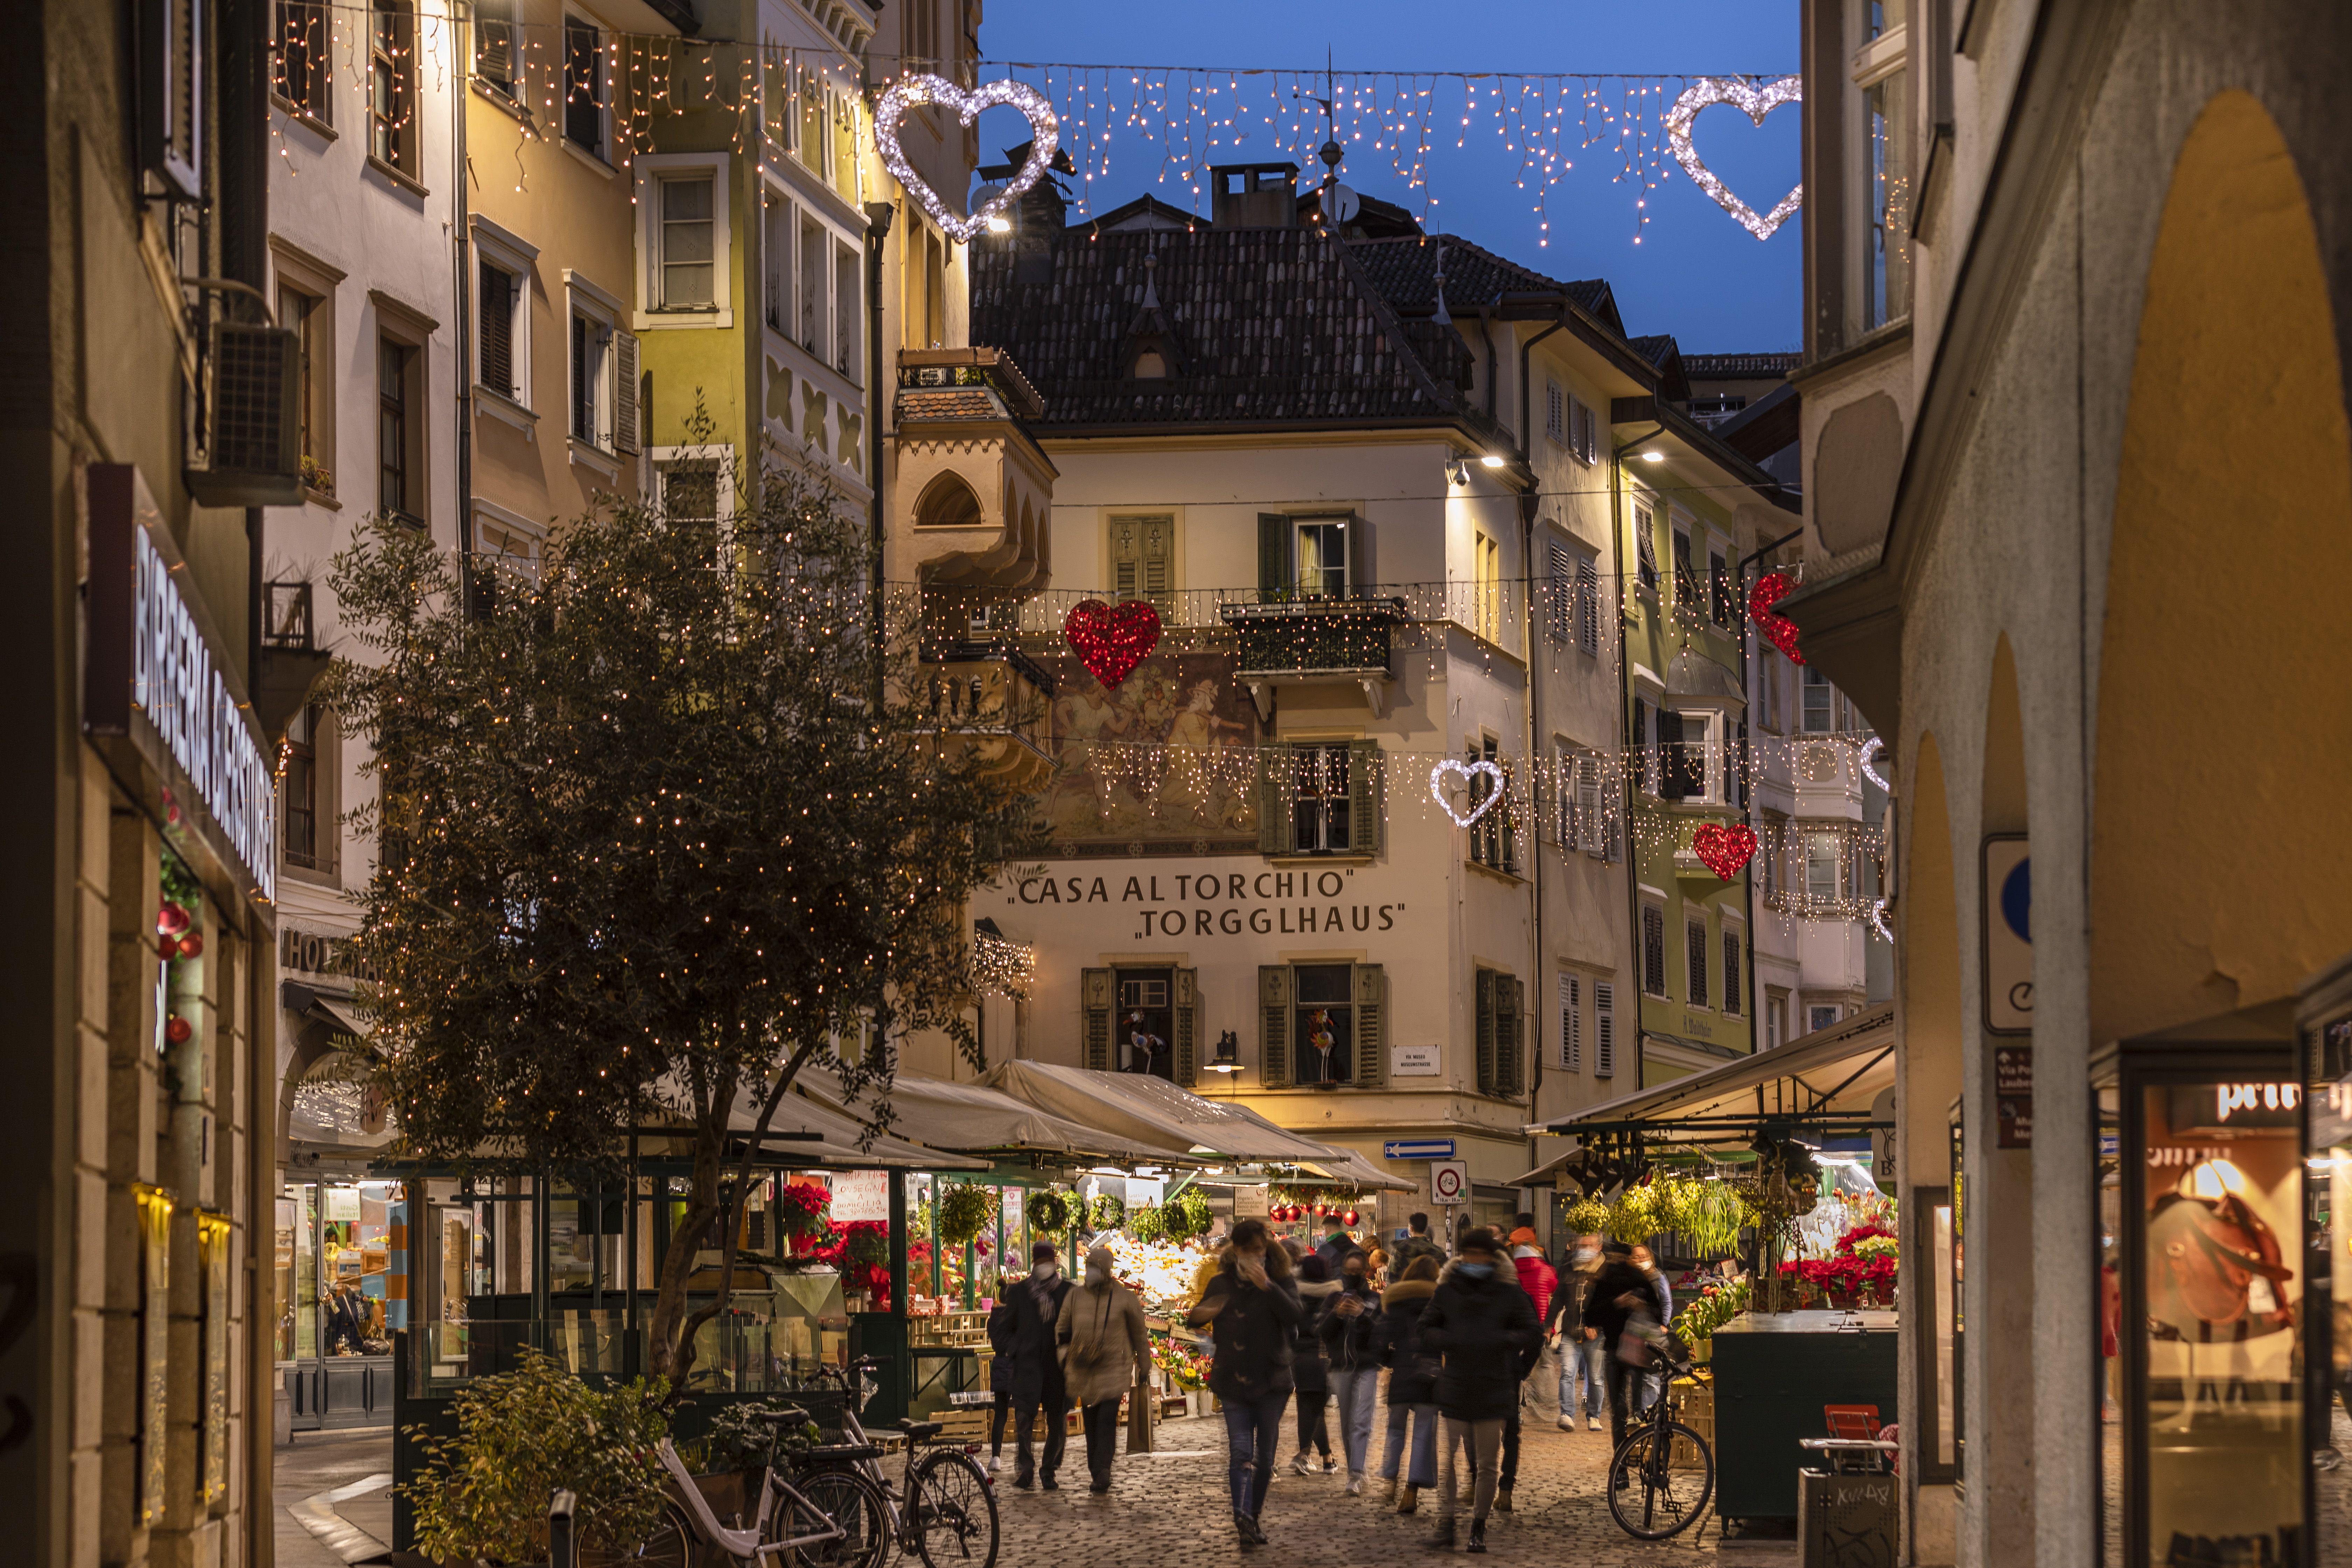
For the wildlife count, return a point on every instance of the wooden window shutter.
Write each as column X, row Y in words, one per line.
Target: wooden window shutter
column 1560, row 617
column 1604, row 1028
column 1094, row 1009
column 495, row 368
column 1484, row 1002
column 1274, row 993
column 1695, row 960
column 1588, row 806
column 1273, row 554
column 1363, row 797
column 1677, row 783
column 494, row 44
column 1509, row 994
column 1588, row 605
column 1157, row 557
column 626, row 437
column 1125, row 558
column 1654, row 950
column 1187, row 1030
column 1571, row 1023
column 1372, row 993
column 1275, row 765
column 1731, row 1007
column 1735, row 769
column 1362, row 571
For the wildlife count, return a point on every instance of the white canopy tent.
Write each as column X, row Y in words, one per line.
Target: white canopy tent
column 972, row 1116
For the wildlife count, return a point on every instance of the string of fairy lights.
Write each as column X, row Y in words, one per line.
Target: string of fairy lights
column 1169, row 121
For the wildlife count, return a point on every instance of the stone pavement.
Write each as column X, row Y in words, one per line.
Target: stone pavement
column 1168, row 1509
column 333, row 1498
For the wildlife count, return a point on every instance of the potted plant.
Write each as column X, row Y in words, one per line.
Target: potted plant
column 482, row 1496
column 965, row 1211
column 801, row 1211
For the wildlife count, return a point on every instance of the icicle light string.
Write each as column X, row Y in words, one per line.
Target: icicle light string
column 1189, row 116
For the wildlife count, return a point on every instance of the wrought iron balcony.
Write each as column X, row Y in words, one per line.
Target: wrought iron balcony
column 1289, row 641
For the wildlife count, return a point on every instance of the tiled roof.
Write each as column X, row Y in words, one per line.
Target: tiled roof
column 1405, row 271
column 1272, row 325
column 1738, row 367
column 960, row 402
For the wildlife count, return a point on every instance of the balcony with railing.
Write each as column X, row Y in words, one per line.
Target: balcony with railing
column 991, row 702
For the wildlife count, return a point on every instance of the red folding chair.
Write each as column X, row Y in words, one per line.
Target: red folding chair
column 1851, row 1420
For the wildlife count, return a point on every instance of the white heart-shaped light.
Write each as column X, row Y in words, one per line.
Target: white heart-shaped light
column 1878, row 922
column 1757, row 99
column 912, row 92
column 1870, row 753
column 1467, row 771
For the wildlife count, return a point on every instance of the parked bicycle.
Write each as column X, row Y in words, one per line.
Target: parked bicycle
column 827, row 1515
column 943, row 1507
column 1651, row 1497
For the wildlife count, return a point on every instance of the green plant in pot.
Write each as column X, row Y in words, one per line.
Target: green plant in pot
column 743, row 1438
column 482, row 1496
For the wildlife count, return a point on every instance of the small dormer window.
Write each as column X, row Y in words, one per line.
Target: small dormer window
column 1151, row 366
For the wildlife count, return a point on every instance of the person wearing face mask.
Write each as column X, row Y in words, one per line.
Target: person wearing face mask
column 1349, row 1331
column 1310, row 1374
column 1580, row 1370
column 1104, row 1352
column 1253, row 1311
column 1037, row 1381
column 1482, row 1326
column 1654, row 1381
column 1619, row 1290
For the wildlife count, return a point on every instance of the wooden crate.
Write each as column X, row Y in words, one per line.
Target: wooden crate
column 1694, row 1408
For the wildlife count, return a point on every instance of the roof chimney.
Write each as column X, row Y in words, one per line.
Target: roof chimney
column 1253, row 196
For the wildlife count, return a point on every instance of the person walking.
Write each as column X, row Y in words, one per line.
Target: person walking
column 1350, row 1331
column 1536, row 1279
column 1336, row 1244
column 1580, row 1371
column 1037, row 1381
column 1618, row 1290
column 1417, row 1243
column 1104, row 1352
column 1654, row 1381
column 999, row 1372
column 1413, row 1384
column 1482, row 1326
column 1310, row 1374
column 1253, row 1308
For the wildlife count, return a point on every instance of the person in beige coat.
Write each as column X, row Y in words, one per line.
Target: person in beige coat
column 1104, row 1352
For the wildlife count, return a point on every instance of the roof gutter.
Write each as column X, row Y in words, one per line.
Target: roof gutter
column 1540, row 306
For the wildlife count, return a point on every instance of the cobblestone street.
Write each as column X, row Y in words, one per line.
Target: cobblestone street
column 1168, row 1510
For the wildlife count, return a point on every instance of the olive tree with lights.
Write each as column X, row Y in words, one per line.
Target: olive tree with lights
column 648, row 844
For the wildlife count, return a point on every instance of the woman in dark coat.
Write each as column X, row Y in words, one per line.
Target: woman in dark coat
column 1037, row 1379
column 1310, row 1374
column 1413, row 1382
column 1255, row 1306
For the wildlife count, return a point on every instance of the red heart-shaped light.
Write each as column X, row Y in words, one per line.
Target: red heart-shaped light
column 1112, row 640
column 1778, row 630
column 1724, row 850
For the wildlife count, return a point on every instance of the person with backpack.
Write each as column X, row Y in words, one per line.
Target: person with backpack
column 1417, row 1243
column 1310, row 1374
column 1482, row 1324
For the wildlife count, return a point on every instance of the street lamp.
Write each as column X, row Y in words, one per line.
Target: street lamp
column 1229, row 1054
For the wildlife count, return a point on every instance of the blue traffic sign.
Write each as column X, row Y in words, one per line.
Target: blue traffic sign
column 1419, row 1149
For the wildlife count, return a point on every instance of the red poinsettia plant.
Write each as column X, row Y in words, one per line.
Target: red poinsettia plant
column 800, row 1209
column 1862, row 1272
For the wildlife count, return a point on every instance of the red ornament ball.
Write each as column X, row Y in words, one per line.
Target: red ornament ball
column 193, row 944
column 172, row 919
column 177, row 1029
column 1350, row 1217
column 167, row 948
column 1111, row 640
column 1778, row 630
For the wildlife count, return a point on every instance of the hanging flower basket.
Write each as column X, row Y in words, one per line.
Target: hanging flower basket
column 801, row 1208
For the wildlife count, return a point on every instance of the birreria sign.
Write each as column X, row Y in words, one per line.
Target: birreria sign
column 149, row 645
column 1161, row 902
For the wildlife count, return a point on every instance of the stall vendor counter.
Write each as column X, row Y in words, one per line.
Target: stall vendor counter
column 1773, row 1373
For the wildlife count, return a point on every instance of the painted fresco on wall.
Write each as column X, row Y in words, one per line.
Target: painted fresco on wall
column 1111, row 798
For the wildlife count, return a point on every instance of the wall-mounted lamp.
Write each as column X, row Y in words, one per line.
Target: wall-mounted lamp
column 1491, row 460
column 1653, row 456
column 1229, row 1054
column 1457, row 472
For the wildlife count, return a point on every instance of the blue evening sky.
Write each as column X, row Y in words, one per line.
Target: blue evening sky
column 1696, row 272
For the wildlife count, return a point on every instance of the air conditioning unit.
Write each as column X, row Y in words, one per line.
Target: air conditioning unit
column 252, row 436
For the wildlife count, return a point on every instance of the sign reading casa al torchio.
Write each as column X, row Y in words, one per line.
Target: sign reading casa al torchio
column 1208, row 904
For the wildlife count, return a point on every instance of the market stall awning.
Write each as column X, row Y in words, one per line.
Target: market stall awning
column 973, row 1117
column 1833, row 1073
column 1140, row 1106
column 1352, row 1170
column 804, row 1135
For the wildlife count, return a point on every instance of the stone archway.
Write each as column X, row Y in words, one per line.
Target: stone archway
column 2223, row 701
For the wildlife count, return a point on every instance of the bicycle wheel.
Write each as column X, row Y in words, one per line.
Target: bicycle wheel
column 953, row 1515
column 829, row 1498
column 669, row 1546
column 1659, row 1499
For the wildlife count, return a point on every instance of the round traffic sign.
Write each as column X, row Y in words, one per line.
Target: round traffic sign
column 1446, row 1181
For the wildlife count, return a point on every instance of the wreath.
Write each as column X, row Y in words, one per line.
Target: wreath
column 1187, row 1215
column 964, row 1211
column 1106, row 1212
column 1049, row 1212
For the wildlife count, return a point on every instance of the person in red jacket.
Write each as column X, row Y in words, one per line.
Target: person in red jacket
column 1536, row 1276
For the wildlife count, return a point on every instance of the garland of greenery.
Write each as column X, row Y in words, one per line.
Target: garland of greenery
column 1106, row 1212
column 1187, row 1215
column 964, row 1211
column 1049, row 1212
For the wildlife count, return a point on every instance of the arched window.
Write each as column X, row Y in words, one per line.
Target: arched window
column 948, row 503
